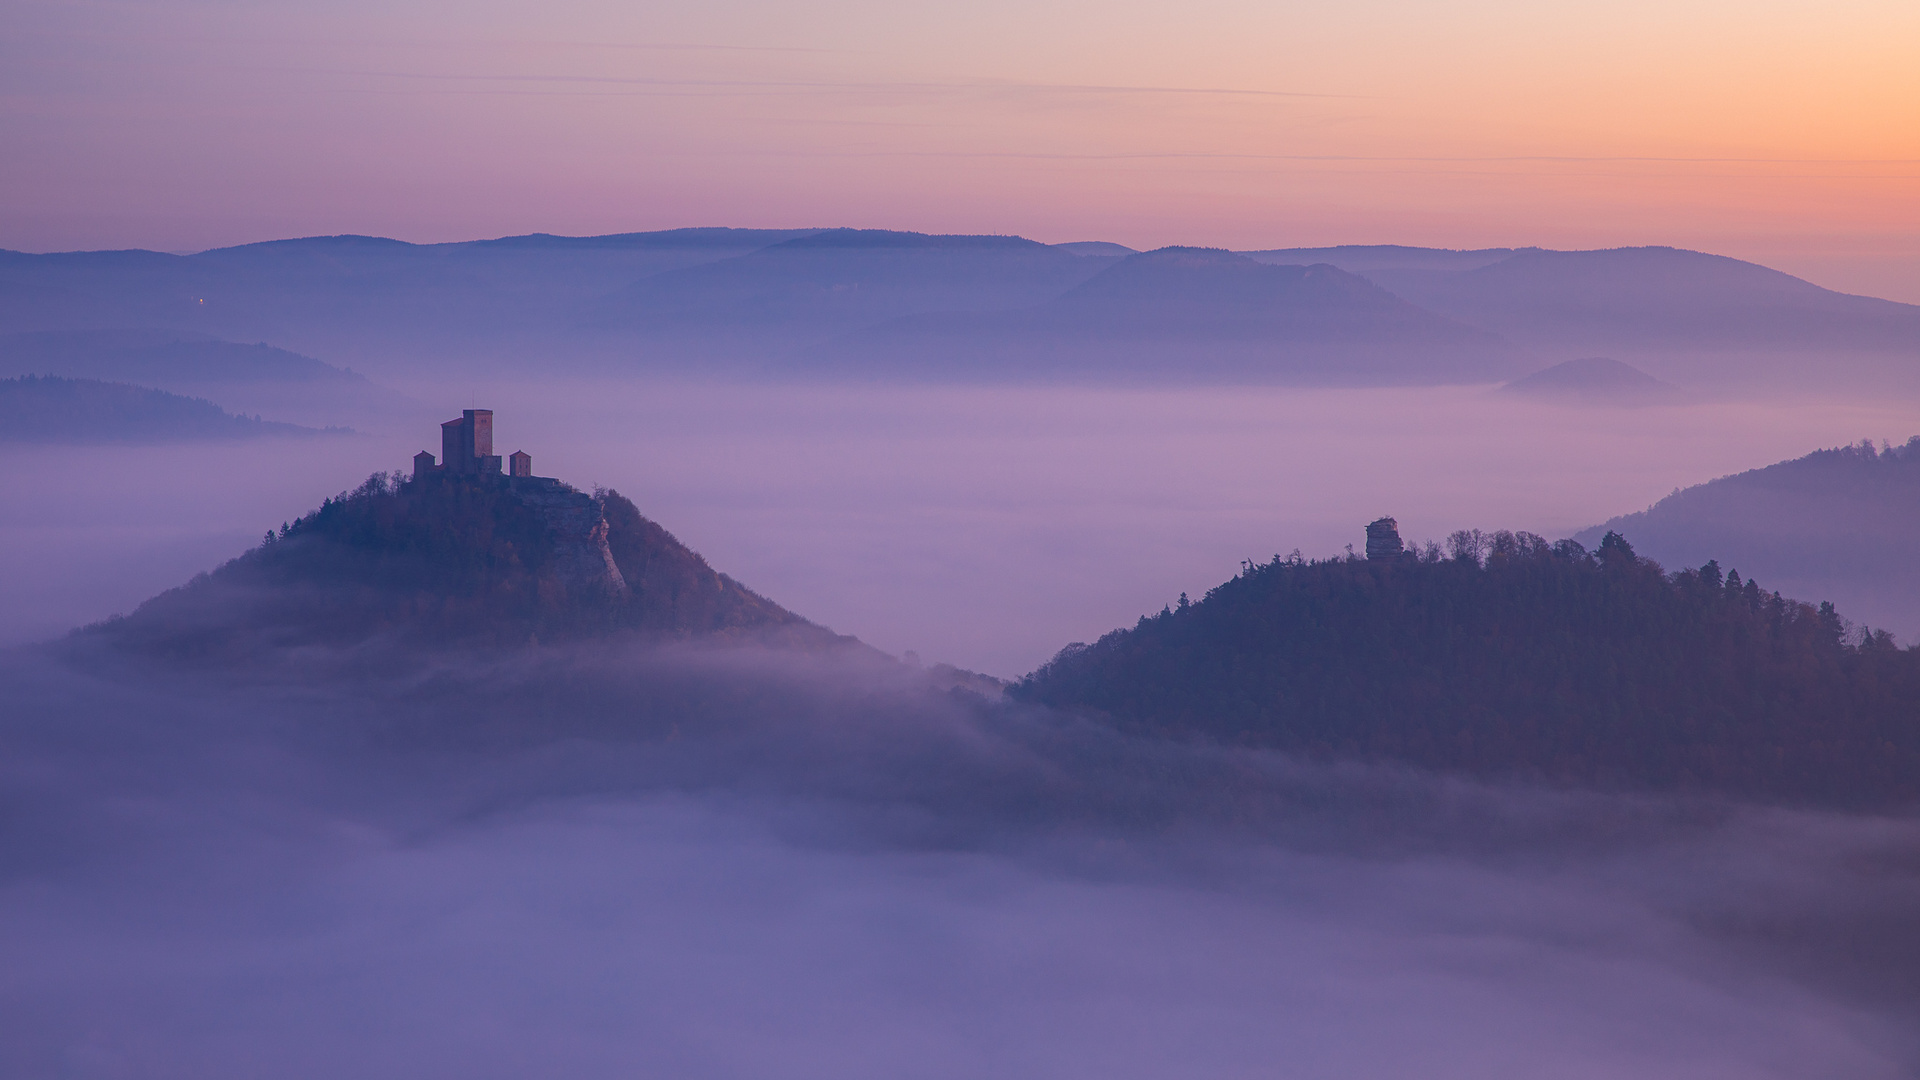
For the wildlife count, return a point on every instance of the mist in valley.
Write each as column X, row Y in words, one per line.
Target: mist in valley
column 983, row 526
column 609, row 859
column 617, row 857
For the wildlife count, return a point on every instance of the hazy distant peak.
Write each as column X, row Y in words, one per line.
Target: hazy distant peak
column 1640, row 254
column 1654, row 272
column 1096, row 247
column 1361, row 258
column 1595, row 380
column 1216, row 277
column 351, row 241
column 888, row 238
column 1195, row 255
column 694, row 237
column 92, row 259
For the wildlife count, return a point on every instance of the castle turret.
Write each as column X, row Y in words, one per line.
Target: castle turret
column 520, row 463
column 423, row 464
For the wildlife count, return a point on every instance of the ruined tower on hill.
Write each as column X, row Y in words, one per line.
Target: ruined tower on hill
column 1383, row 539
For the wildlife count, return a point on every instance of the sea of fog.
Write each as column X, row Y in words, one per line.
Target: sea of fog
column 603, row 862
column 985, row 527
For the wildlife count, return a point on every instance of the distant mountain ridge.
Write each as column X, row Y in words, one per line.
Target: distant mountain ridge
column 1365, row 258
column 686, row 300
column 367, row 302
column 810, row 287
column 1656, row 301
column 1207, row 314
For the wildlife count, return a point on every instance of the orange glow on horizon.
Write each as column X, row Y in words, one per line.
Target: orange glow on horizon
column 1784, row 132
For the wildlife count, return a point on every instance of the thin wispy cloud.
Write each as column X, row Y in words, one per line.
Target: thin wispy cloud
column 842, row 84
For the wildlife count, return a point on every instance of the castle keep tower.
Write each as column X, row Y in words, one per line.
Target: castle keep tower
column 466, row 448
column 466, row 444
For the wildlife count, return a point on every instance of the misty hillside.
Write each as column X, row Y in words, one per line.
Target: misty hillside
column 681, row 298
column 456, row 560
column 1595, row 380
column 841, row 279
column 1186, row 313
column 256, row 378
column 1366, row 258
column 157, row 357
column 1100, row 248
column 1516, row 658
column 49, row 409
column 355, row 297
column 1656, row 299
column 1838, row 524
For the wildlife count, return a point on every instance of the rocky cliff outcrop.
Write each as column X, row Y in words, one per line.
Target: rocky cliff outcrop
column 580, row 560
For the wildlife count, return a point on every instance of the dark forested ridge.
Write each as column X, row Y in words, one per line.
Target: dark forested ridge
column 457, row 560
column 1512, row 657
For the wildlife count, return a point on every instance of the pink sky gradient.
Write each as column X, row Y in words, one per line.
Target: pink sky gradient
column 1785, row 132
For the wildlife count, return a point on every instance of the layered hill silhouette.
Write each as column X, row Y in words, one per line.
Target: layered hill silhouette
column 369, row 302
column 1516, row 658
column 1837, row 523
column 248, row 378
column 832, row 281
column 1656, row 300
column 49, row 409
column 1203, row 314
column 681, row 299
column 447, row 560
column 1366, row 258
column 1595, row 380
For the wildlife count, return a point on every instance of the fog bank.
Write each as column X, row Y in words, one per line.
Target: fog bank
column 607, row 862
column 986, row 527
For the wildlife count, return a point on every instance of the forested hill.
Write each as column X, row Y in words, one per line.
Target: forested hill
column 447, row 560
column 1838, row 524
column 1519, row 658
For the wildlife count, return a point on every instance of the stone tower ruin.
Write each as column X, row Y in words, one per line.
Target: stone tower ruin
column 1383, row 539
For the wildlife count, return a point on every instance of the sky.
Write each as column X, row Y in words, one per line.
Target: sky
column 1783, row 132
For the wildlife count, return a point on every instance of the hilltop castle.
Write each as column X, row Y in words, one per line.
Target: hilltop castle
column 580, row 557
column 466, row 446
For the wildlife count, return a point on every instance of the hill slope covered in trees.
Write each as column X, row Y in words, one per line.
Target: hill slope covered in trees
column 1516, row 658
column 456, row 560
column 1838, row 524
